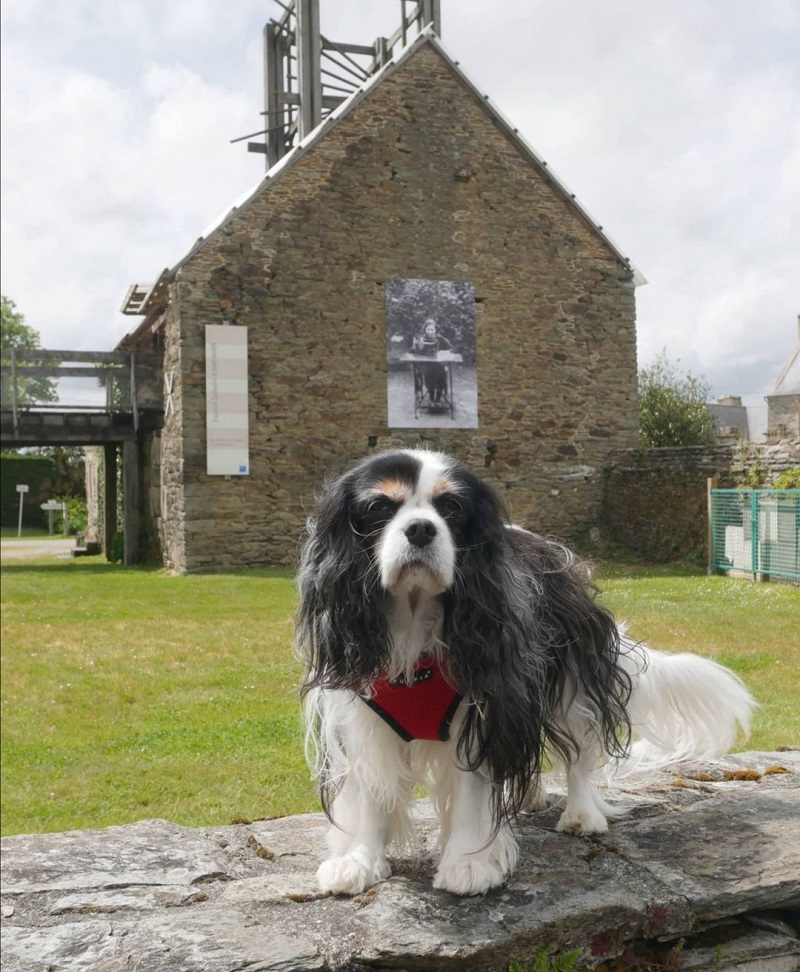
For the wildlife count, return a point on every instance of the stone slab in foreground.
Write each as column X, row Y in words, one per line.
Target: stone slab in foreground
column 700, row 849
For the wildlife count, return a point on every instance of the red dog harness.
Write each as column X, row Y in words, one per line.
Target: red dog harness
column 422, row 710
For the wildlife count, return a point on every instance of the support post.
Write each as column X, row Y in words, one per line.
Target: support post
column 21, row 507
column 274, row 111
column 14, row 390
column 131, row 502
column 711, row 483
column 109, row 496
column 432, row 14
column 134, row 393
column 309, row 53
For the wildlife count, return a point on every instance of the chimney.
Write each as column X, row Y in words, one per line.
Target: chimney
column 729, row 400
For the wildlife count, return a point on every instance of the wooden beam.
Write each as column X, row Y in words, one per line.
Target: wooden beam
column 131, row 502
column 88, row 357
column 309, row 47
column 109, row 496
column 70, row 371
column 431, row 13
column 51, row 354
column 349, row 48
column 273, row 140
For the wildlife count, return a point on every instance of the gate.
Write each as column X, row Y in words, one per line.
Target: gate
column 755, row 532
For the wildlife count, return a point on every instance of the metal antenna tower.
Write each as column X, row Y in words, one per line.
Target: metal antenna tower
column 306, row 75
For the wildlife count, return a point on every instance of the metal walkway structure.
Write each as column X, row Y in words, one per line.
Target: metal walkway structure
column 127, row 386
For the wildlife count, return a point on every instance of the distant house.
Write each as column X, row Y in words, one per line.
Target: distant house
column 783, row 399
column 273, row 325
column 730, row 417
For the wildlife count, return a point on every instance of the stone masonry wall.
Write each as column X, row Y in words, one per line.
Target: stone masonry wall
column 415, row 181
column 655, row 500
column 784, row 415
column 170, row 524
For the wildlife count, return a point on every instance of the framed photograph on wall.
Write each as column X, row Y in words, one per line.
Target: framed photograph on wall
column 430, row 354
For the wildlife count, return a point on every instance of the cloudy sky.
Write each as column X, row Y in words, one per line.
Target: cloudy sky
column 677, row 124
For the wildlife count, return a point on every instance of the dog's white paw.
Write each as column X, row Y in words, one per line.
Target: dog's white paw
column 468, row 876
column 352, row 873
column 585, row 820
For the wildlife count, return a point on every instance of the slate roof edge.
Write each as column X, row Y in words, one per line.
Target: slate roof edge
column 426, row 36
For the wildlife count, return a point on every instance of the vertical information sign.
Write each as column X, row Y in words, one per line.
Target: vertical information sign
column 227, row 424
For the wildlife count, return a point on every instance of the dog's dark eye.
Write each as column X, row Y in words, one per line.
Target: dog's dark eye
column 373, row 515
column 448, row 506
column 381, row 505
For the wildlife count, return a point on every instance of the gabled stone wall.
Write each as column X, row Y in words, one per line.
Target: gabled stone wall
column 416, row 180
column 784, row 415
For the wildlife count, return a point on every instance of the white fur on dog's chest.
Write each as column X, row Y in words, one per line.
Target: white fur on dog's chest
column 415, row 627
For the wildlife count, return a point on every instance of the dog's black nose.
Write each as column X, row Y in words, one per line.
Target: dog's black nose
column 420, row 532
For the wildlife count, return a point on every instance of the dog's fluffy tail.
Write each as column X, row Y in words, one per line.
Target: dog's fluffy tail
column 682, row 707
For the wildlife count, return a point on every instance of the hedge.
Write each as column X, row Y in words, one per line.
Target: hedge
column 36, row 472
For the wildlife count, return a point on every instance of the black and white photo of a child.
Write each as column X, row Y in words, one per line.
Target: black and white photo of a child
column 429, row 343
column 431, row 372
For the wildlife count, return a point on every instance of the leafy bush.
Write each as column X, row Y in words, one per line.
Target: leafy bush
column 116, row 551
column 672, row 407
column 544, row 962
column 37, row 472
column 76, row 513
column 788, row 479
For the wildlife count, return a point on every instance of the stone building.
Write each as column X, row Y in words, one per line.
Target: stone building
column 416, row 176
column 783, row 398
column 730, row 417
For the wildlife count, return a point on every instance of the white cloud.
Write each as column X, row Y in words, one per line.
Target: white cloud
column 677, row 125
column 108, row 181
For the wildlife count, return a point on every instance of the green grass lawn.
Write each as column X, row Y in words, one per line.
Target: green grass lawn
column 127, row 693
column 752, row 628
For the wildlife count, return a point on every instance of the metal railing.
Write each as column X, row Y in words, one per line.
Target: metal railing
column 755, row 531
column 131, row 380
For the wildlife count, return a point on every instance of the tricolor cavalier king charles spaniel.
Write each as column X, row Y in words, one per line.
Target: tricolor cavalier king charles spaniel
column 444, row 646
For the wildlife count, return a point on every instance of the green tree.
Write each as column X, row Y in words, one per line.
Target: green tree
column 15, row 333
column 69, row 475
column 672, row 406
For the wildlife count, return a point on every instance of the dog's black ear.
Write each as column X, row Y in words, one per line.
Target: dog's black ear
column 490, row 631
column 524, row 634
column 583, row 648
column 341, row 631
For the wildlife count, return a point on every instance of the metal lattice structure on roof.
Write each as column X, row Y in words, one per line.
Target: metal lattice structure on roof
column 284, row 144
column 306, row 75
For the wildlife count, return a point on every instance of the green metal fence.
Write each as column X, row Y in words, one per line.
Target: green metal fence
column 755, row 531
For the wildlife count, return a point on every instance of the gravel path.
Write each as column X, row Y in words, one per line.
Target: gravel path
column 27, row 549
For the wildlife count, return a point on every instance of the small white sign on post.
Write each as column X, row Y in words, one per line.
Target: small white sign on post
column 22, row 489
column 50, row 507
